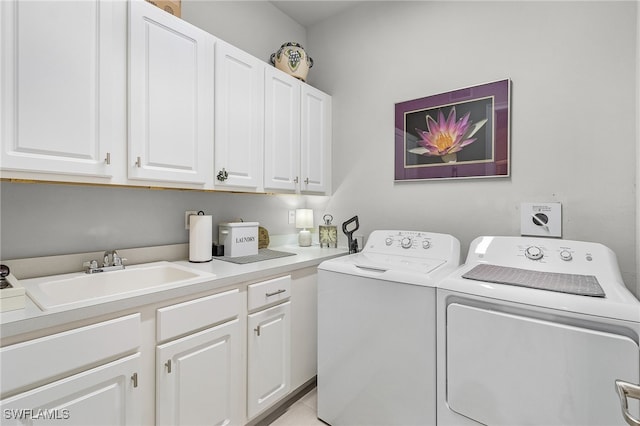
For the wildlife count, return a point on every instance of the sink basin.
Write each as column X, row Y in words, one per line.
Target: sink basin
column 61, row 290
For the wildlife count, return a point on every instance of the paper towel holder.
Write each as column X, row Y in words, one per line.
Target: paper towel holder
column 200, row 248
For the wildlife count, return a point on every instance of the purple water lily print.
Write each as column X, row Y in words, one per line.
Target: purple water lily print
column 463, row 133
column 447, row 136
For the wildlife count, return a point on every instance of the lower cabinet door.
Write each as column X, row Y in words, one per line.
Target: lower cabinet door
column 105, row 395
column 198, row 378
column 268, row 357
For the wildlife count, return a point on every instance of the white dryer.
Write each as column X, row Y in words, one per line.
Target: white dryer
column 535, row 331
column 376, row 329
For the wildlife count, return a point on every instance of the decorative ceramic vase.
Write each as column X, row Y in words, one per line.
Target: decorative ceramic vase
column 292, row 59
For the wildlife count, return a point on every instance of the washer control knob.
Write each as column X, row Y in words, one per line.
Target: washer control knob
column 405, row 242
column 565, row 255
column 426, row 244
column 388, row 241
column 533, row 253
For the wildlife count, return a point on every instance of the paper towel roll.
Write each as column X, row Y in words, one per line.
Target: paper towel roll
column 200, row 238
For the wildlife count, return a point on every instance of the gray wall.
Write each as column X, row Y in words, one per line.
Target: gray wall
column 573, row 122
column 50, row 219
column 257, row 27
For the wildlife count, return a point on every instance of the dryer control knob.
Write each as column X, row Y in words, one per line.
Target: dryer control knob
column 565, row 255
column 405, row 242
column 388, row 241
column 533, row 253
column 426, row 244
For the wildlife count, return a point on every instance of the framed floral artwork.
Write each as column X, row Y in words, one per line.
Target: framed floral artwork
column 459, row 134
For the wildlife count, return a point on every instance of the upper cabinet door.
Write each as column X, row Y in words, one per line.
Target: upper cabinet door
column 170, row 97
column 282, row 131
column 239, row 118
column 59, row 85
column 315, row 141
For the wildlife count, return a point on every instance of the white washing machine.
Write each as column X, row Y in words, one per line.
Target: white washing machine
column 535, row 331
column 376, row 329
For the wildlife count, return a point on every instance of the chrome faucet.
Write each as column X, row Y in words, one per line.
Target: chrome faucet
column 111, row 261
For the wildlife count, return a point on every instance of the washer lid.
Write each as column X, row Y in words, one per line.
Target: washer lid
column 390, row 267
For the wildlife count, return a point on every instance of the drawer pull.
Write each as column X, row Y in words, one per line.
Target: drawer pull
column 168, row 365
column 282, row 290
column 134, row 379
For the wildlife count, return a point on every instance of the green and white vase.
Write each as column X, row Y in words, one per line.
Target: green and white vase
column 292, row 59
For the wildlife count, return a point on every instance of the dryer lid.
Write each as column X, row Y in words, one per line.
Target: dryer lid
column 583, row 285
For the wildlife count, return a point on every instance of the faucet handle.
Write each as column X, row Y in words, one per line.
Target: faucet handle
column 93, row 264
column 117, row 260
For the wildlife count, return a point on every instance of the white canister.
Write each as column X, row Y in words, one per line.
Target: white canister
column 200, row 238
column 239, row 238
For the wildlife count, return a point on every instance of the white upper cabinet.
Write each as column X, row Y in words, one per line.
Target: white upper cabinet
column 122, row 92
column 297, row 135
column 58, row 86
column 315, row 141
column 239, row 118
column 281, row 131
column 170, row 97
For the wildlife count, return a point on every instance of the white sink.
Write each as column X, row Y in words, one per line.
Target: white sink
column 61, row 290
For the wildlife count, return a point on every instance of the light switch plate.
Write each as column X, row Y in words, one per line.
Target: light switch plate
column 541, row 219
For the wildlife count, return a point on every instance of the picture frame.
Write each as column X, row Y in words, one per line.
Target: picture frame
column 463, row 133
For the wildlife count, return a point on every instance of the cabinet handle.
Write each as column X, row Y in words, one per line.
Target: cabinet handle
column 222, row 175
column 168, row 365
column 282, row 290
column 296, row 180
column 257, row 330
column 134, row 379
column 306, row 181
column 107, row 160
column 138, row 162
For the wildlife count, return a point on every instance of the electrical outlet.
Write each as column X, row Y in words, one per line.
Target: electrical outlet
column 541, row 219
column 186, row 217
column 292, row 217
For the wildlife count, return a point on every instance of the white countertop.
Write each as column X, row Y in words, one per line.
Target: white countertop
column 227, row 274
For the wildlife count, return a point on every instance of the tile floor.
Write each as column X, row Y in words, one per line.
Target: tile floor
column 301, row 413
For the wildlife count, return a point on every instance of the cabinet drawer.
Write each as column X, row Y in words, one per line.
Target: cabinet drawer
column 40, row 360
column 267, row 292
column 176, row 320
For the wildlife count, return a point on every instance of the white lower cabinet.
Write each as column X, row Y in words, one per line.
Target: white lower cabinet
column 182, row 362
column 198, row 378
column 268, row 357
column 78, row 377
column 103, row 395
column 199, row 372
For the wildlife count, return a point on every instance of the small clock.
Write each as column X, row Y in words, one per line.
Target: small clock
column 327, row 233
